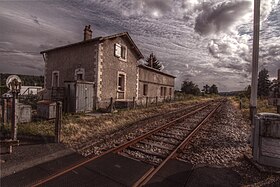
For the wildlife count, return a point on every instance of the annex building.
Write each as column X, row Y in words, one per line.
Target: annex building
column 87, row 74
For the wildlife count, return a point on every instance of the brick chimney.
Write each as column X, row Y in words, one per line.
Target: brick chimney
column 151, row 60
column 87, row 33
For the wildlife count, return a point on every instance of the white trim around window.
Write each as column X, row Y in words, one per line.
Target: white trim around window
column 80, row 74
column 121, row 51
column 121, row 85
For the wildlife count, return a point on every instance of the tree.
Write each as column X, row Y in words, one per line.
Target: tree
column 248, row 91
column 188, row 87
column 213, row 89
column 206, row 89
column 263, row 83
column 153, row 62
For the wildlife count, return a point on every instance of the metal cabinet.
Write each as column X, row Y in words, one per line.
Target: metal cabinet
column 266, row 139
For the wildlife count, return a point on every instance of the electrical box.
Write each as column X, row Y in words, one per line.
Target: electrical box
column 266, row 139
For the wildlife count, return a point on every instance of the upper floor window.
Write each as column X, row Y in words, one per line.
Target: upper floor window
column 55, row 79
column 80, row 74
column 121, row 51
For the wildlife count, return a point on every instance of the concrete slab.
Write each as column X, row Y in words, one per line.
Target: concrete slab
column 118, row 168
column 23, row 178
column 174, row 173
column 28, row 176
column 210, row 176
column 82, row 177
column 180, row 174
column 61, row 163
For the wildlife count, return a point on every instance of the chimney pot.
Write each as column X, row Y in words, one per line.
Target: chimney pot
column 87, row 33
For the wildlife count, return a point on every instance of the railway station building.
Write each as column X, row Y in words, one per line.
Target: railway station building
column 88, row 74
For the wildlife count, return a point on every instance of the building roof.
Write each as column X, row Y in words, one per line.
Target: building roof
column 123, row 34
column 155, row 70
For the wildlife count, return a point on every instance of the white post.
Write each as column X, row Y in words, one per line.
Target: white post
column 254, row 83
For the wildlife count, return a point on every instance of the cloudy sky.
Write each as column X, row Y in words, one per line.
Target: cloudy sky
column 205, row 41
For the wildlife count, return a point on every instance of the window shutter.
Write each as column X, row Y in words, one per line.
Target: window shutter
column 118, row 50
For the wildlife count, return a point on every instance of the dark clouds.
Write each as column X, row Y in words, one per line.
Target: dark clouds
column 219, row 18
column 220, row 54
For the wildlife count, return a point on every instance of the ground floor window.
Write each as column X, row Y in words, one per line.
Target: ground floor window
column 121, row 82
column 145, row 89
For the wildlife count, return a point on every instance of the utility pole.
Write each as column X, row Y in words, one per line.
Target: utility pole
column 255, row 59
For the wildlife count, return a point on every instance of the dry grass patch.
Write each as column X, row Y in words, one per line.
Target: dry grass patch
column 86, row 127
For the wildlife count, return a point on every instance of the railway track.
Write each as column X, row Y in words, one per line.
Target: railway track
column 136, row 129
column 157, row 146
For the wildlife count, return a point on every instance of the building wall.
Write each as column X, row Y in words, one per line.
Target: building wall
column 155, row 82
column 111, row 66
column 67, row 60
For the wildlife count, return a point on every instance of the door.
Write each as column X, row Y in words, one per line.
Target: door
column 84, row 97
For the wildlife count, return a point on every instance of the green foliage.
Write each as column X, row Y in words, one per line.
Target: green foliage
column 248, row 91
column 153, row 62
column 206, row 89
column 213, row 89
column 39, row 128
column 27, row 80
column 188, row 87
column 263, row 83
column 210, row 89
column 261, row 107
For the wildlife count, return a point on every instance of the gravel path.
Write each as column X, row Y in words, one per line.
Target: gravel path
column 222, row 143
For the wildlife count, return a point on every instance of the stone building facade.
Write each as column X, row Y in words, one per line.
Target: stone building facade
column 110, row 64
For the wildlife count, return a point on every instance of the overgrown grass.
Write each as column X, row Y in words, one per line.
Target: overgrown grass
column 79, row 127
column 42, row 128
column 262, row 106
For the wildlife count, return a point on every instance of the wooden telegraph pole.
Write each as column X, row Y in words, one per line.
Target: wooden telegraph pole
column 255, row 59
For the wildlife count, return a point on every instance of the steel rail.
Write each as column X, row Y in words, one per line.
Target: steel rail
column 148, row 175
column 155, row 116
column 116, row 149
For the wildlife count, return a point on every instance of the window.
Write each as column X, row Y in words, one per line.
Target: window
column 80, row 74
column 170, row 91
column 121, row 51
column 161, row 91
column 145, row 89
column 55, row 79
column 121, row 82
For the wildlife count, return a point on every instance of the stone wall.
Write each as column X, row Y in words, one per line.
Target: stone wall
column 111, row 66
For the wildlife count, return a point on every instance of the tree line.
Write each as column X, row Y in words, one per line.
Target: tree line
column 27, row 80
column 265, row 86
column 188, row 87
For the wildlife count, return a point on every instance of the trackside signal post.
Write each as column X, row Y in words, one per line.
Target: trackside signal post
column 255, row 59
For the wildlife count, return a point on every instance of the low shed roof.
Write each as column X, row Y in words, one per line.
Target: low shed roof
column 155, row 70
